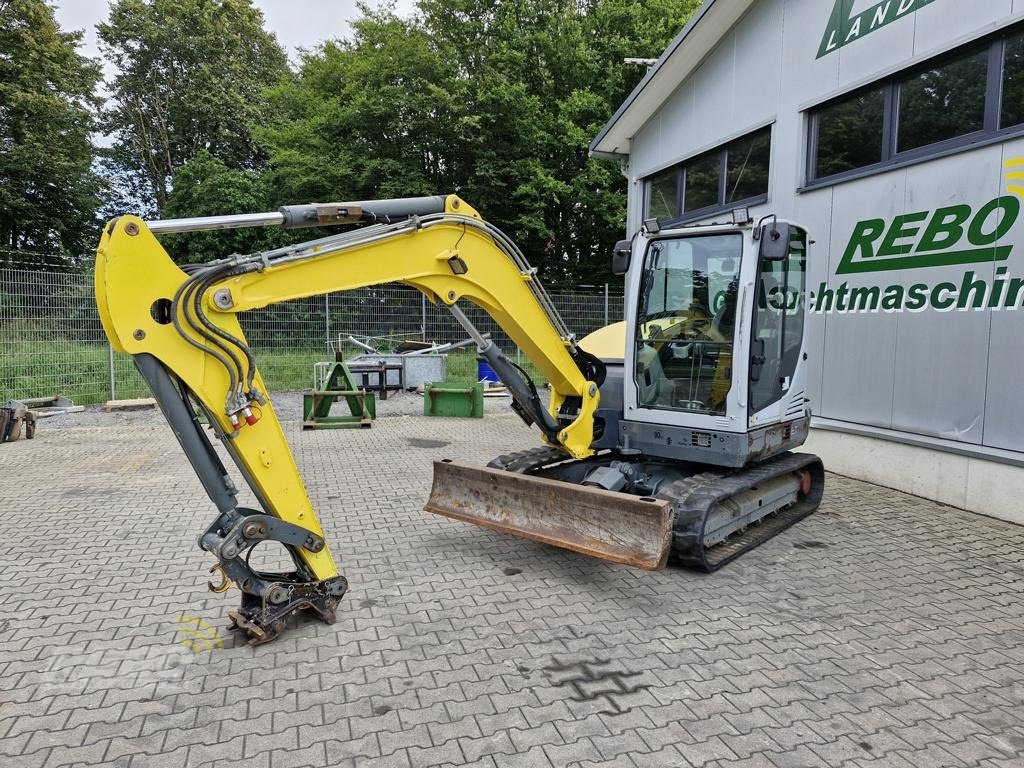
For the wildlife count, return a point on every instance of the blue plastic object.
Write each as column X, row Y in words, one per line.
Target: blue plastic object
column 484, row 372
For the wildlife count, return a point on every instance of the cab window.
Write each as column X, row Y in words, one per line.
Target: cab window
column 686, row 323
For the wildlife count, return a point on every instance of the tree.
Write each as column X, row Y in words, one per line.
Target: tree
column 190, row 78
column 48, row 192
column 365, row 118
column 493, row 100
column 496, row 101
column 544, row 76
column 205, row 186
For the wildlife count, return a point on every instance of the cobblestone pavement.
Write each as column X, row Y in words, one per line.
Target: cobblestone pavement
column 882, row 631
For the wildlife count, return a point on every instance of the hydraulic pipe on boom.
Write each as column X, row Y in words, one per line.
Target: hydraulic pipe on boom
column 181, row 327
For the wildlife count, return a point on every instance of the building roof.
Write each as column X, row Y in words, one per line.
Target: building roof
column 684, row 54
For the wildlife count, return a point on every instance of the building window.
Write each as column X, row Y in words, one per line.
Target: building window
column 952, row 101
column 746, row 175
column 942, row 103
column 702, row 181
column 727, row 177
column 850, row 133
column 1012, row 112
column 664, row 195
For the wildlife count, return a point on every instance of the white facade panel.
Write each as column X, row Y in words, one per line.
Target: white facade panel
column 680, row 127
column 941, row 24
column 859, row 360
column 941, row 356
column 803, row 24
column 647, row 149
column 713, row 91
column 1004, row 404
column 756, row 92
column 861, row 58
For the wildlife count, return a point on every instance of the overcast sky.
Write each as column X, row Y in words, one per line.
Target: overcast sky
column 297, row 23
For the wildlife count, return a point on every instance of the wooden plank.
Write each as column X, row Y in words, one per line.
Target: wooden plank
column 138, row 404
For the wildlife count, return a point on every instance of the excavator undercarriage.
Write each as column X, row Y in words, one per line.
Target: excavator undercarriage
column 665, row 513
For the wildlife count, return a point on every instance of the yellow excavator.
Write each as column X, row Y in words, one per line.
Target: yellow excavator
column 666, row 438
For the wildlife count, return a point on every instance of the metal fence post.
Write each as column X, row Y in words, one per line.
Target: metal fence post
column 327, row 317
column 606, row 303
column 423, row 315
column 110, row 371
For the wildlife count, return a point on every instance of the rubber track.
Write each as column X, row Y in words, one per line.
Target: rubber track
column 529, row 460
column 697, row 496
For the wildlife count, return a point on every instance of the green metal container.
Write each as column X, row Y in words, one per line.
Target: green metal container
column 442, row 398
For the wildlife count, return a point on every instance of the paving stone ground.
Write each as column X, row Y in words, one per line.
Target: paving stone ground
column 883, row 631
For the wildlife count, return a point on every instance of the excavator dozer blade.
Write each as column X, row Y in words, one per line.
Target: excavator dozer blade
column 618, row 527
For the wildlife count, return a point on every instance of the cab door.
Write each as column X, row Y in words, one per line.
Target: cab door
column 776, row 372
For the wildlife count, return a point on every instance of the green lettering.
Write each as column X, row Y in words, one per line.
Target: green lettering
column 945, row 229
column 893, row 299
column 943, row 304
column 854, row 30
column 864, row 299
column 841, row 298
column 881, row 15
column 844, row 27
column 1009, row 205
column 863, row 239
column 823, row 299
column 1012, row 295
column 969, row 287
column 899, row 230
column 997, row 288
column 917, row 297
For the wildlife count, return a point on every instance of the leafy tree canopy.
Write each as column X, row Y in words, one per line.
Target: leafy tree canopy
column 206, row 186
column 190, row 78
column 48, row 192
column 495, row 101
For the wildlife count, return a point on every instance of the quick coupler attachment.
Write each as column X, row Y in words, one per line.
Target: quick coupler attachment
column 268, row 599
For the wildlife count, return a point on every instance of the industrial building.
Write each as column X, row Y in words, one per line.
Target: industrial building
column 894, row 131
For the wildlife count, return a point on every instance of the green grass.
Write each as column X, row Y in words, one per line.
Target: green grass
column 76, row 370
column 81, row 371
column 284, row 369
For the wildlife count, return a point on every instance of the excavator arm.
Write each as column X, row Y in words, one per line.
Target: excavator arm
column 181, row 328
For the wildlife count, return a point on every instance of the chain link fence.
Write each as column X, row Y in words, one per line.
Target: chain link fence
column 52, row 342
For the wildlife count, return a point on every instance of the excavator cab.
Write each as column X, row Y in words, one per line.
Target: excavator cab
column 683, row 343
column 714, row 347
